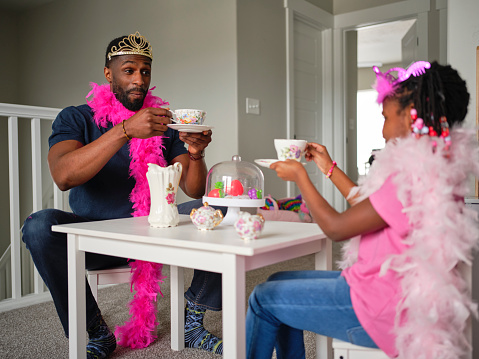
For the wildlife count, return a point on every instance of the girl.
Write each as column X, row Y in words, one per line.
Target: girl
column 400, row 288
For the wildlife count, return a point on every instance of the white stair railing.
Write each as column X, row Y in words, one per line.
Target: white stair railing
column 5, row 274
column 35, row 114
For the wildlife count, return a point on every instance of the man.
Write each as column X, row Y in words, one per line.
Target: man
column 94, row 149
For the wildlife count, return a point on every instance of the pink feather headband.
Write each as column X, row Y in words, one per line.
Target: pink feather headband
column 386, row 83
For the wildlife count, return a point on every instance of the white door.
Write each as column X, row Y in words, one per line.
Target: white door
column 308, row 90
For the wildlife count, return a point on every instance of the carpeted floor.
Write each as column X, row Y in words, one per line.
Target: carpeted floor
column 35, row 332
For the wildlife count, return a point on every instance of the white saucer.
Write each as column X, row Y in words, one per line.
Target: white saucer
column 188, row 127
column 266, row 162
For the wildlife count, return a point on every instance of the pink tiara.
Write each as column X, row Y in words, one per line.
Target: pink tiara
column 386, row 83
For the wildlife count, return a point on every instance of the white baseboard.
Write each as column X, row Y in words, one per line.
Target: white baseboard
column 30, row 299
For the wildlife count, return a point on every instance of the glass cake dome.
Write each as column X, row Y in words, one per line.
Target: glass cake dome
column 234, row 184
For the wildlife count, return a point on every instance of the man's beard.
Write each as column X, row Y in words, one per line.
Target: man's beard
column 122, row 96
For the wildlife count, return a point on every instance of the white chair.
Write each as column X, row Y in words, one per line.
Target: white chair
column 116, row 275
column 107, row 276
column 344, row 350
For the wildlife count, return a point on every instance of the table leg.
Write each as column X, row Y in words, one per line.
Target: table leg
column 323, row 260
column 234, row 332
column 76, row 299
column 177, row 308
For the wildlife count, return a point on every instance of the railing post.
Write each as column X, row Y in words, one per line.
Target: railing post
column 14, row 185
column 57, row 197
column 37, row 186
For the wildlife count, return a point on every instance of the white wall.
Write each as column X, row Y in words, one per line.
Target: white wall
column 463, row 39
column 9, row 88
column 344, row 6
column 262, row 76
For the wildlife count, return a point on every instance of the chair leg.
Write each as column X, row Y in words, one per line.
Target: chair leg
column 93, row 281
column 115, row 275
column 344, row 350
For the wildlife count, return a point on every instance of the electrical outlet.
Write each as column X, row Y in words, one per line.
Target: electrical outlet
column 252, row 106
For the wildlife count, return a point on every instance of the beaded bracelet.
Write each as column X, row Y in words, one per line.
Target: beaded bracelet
column 330, row 172
column 193, row 158
column 124, row 131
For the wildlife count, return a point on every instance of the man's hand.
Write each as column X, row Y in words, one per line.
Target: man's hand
column 289, row 170
column 148, row 122
column 193, row 178
column 197, row 142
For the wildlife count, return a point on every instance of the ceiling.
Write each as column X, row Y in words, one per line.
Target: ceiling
column 377, row 44
column 381, row 44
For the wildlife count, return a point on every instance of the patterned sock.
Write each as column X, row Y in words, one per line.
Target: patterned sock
column 102, row 341
column 196, row 336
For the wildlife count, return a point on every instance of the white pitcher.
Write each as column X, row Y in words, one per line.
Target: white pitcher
column 163, row 182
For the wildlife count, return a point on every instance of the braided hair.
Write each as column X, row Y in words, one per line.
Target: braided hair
column 439, row 92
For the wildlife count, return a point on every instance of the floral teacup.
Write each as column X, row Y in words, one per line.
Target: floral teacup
column 249, row 226
column 290, row 149
column 189, row 116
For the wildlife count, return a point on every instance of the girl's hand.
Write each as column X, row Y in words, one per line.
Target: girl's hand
column 289, row 170
column 319, row 154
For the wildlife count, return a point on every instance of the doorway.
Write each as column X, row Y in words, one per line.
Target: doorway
column 392, row 44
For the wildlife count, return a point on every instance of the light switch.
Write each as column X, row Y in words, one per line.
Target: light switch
column 252, row 106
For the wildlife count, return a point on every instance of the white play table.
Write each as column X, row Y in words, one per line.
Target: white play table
column 219, row 250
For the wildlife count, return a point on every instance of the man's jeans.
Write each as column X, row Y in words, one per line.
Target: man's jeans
column 290, row 302
column 49, row 253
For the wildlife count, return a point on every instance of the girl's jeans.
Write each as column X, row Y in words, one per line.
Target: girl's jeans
column 49, row 253
column 290, row 302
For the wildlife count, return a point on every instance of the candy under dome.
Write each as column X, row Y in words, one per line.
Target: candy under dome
column 234, row 184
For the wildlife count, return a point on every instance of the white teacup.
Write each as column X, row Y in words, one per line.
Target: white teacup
column 189, row 116
column 290, row 149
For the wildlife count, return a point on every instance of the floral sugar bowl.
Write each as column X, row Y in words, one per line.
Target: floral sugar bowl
column 249, row 226
column 206, row 217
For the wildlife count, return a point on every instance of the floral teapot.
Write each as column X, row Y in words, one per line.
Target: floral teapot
column 249, row 226
column 206, row 217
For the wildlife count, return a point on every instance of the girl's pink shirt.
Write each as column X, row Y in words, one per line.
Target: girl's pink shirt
column 375, row 297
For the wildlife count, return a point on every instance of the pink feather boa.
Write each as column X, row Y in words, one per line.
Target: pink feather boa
column 140, row 330
column 444, row 232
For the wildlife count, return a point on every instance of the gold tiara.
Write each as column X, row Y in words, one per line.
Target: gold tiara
column 133, row 44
